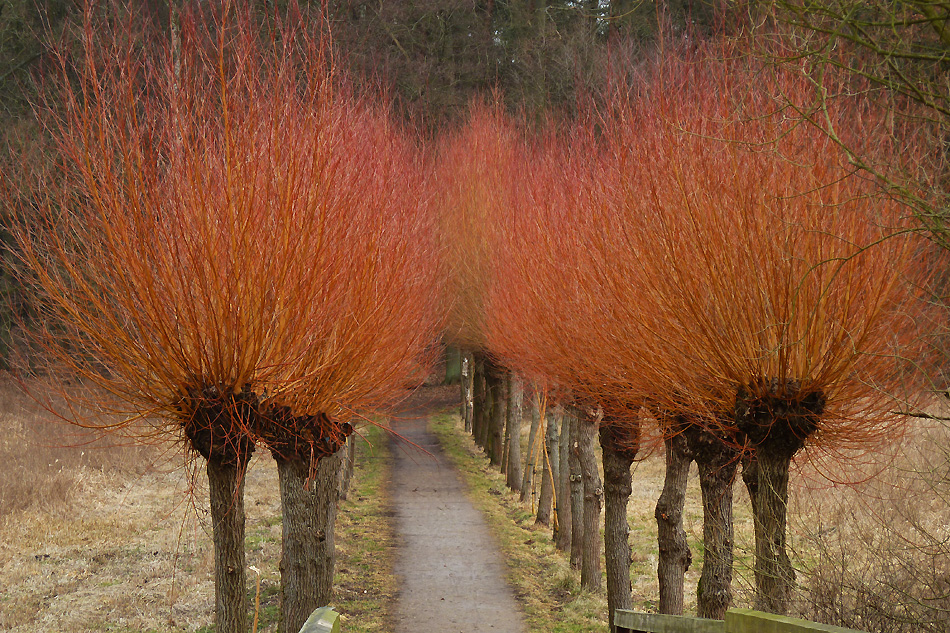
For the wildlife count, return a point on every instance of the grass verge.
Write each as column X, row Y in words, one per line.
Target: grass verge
column 365, row 586
column 548, row 589
column 119, row 538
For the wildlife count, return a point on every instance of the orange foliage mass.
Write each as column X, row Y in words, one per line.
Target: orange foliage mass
column 479, row 179
column 713, row 242
column 233, row 225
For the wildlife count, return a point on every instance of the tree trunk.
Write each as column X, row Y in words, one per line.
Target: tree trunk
column 593, row 499
column 217, row 429
column 307, row 553
column 562, row 534
column 468, row 389
column 481, row 403
column 550, row 472
column 490, row 406
column 499, row 401
column 226, row 489
column 717, row 462
column 776, row 417
column 507, row 434
column 515, row 418
column 674, row 556
column 463, row 396
column 774, row 575
column 577, row 494
column 532, row 454
column 618, row 485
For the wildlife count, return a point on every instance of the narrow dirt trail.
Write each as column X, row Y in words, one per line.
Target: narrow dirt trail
column 450, row 572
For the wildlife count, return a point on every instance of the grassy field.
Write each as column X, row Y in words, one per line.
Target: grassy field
column 868, row 534
column 100, row 535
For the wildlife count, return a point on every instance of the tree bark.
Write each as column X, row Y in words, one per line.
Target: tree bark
column 774, row 575
column 531, row 455
column 593, row 500
column 507, row 434
column 776, row 417
column 717, row 462
column 550, row 472
column 515, row 418
column 618, row 485
column 674, row 554
column 499, row 401
column 562, row 533
column 216, row 427
column 481, row 403
column 463, row 395
column 308, row 553
column 226, row 489
column 577, row 494
column 468, row 389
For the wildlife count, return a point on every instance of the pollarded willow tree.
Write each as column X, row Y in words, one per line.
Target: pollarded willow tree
column 785, row 287
column 545, row 296
column 238, row 254
column 724, row 266
column 476, row 180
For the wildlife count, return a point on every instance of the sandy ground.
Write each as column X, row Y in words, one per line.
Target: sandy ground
column 449, row 570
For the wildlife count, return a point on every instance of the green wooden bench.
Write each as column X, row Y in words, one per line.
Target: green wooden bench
column 634, row 622
column 737, row 621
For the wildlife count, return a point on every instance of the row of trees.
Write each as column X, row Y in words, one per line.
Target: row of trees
column 234, row 244
column 235, row 252
column 713, row 274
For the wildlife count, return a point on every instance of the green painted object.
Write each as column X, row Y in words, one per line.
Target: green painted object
column 322, row 620
column 749, row 621
column 737, row 621
column 658, row 623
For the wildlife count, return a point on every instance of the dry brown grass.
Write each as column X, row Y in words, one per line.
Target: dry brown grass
column 96, row 532
column 43, row 460
column 871, row 553
column 875, row 555
column 104, row 537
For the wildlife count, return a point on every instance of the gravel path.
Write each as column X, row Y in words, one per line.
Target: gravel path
column 451, row 574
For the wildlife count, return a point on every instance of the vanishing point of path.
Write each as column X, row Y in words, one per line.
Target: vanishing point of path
column 450, row 573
